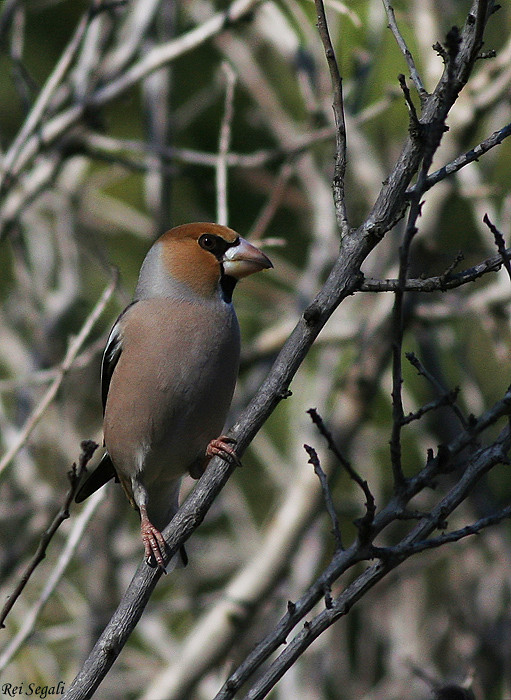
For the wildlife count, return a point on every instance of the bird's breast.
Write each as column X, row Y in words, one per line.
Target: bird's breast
column 162, row 410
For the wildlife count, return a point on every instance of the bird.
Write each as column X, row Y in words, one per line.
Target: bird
column 169, row 371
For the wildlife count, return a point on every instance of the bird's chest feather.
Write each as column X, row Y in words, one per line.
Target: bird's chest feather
column 176, row 400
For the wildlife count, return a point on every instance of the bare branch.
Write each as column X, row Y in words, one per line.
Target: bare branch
column 469, row 157
column 340, row 125
column 441, row 283
column 74, row 348
column 224, row 143
column 500, row 243
column 88, row 449
column 363, row 523
column 327, row 496
column 343, row 560
column 414, row 73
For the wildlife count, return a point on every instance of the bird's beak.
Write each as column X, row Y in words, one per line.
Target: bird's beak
column 244, row 259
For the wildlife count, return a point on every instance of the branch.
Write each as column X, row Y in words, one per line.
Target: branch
column 30, row 616
column 88, row 449
column 414, row 73
column 440, row 283
column 469, row 157
column 363, row 523
column 340, row 125
column 337, row 608
column 500, row 243
column 391, row 201
column 74, row 348
column 327, row 496
column 223, row 146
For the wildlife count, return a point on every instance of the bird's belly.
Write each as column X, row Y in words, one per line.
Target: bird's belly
column 162, row 436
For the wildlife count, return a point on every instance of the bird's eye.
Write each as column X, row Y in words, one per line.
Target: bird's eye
column 208, row 242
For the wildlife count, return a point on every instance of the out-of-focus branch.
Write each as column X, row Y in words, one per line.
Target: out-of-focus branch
column 74, row 348
column 224, row 143
column 24, row 149
column 88, row 449
column 73, row 541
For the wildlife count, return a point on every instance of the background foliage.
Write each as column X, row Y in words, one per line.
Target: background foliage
column 96, row 193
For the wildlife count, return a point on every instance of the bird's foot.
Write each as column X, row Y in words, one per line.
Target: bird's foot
column 154, row 544
column 222, row 447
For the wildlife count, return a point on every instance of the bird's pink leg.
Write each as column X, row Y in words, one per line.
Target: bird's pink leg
column 219, row 447
column 222, row 447
column 154, row 544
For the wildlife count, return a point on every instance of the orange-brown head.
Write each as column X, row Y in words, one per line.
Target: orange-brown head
column 203, row 259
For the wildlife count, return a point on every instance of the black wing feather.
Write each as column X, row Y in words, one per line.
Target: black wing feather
column 99, row 477
column 105, row 469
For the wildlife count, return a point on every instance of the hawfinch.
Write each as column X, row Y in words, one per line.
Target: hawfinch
column 169, row 370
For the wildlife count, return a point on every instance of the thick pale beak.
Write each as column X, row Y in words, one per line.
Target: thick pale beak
column 244, row 259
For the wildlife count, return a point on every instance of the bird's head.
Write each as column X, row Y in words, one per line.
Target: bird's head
column 203, row 258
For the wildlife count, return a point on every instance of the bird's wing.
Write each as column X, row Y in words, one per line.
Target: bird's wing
column 111, row 356
column 99, row 477
column 105, row 469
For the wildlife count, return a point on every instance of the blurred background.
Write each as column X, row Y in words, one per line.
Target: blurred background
column 125, row 105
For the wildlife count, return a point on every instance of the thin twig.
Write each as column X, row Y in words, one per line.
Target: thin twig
column 327, row 496
column 224, row 143
column 72, row 351
column 454, row 536
column 469, row 157
column 447, row 399
column 439, row 283
column 414, row 73
column 340, row 125
column 500, row 243
column 439, row 388
column 30, row 617
column 370, row 506
column 88, row 449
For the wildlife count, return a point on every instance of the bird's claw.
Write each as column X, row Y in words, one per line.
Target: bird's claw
column 222, row 447
column 154, row 544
